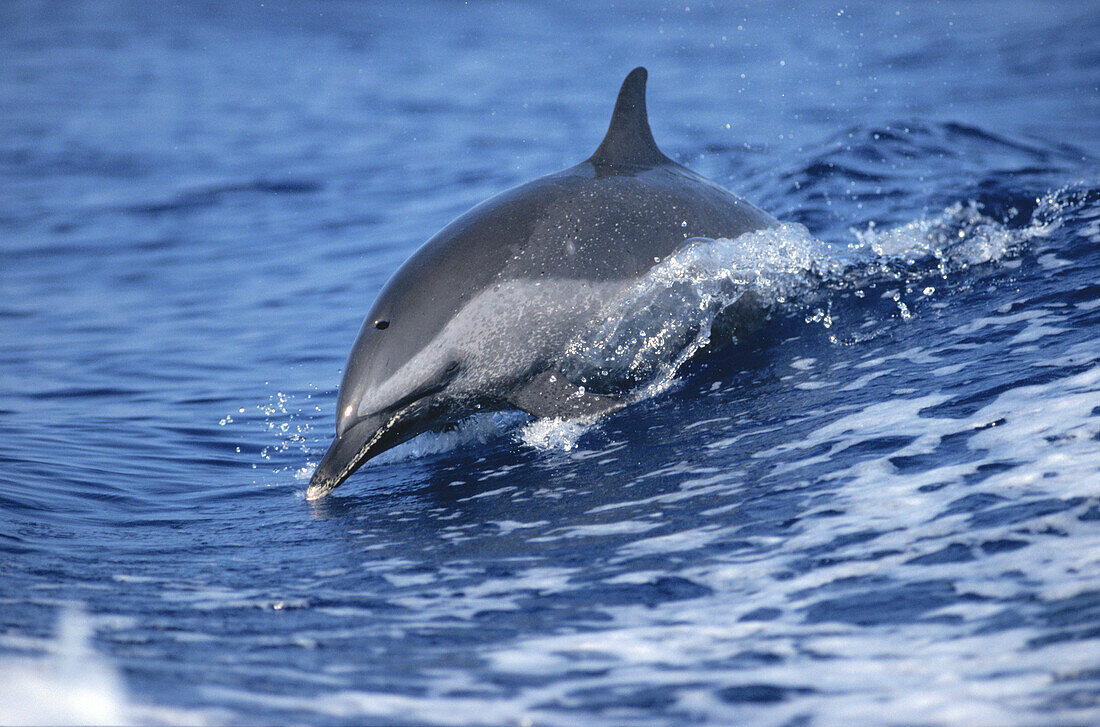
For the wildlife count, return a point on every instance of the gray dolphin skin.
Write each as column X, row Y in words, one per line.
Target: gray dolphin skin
column 479, row 318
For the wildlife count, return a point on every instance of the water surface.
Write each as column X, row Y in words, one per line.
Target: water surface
column 881, row 509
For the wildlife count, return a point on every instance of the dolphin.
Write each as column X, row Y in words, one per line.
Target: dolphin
column 479, row 318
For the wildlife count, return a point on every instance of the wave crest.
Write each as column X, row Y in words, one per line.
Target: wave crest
column 726, row 288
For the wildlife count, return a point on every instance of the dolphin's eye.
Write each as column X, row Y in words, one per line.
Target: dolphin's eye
column 381, row 325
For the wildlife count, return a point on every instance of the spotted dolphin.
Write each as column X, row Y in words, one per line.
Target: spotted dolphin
column 478, row 319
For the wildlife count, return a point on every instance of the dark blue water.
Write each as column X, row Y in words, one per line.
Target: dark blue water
column 884, row 508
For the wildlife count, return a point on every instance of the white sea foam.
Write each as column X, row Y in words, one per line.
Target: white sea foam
column 959, row 237
column 554, row 434
column 69, row 683
column 923, row 672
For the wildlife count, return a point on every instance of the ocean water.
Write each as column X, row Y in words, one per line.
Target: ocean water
column 883, row 508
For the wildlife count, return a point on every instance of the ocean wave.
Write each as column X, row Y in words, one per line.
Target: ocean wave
column 717, row 290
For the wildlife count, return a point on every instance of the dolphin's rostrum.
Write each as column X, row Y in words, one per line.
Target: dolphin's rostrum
column 479, row 317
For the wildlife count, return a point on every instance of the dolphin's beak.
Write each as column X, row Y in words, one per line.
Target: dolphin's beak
column 348, row 452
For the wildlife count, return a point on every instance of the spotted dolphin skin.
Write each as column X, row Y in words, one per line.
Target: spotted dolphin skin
column 479, row 317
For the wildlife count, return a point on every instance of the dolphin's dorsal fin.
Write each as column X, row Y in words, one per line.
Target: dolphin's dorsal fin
column 629, row 142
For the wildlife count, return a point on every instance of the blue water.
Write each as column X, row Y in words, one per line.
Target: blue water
column 883, row 508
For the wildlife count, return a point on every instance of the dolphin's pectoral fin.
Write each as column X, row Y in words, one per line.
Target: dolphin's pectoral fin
column 551, row 395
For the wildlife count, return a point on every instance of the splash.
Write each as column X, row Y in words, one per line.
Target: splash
column 644, row 337
column 958, row 238
column 286, row 420
column 553, row 434
column 285, row 417
column 723, row 288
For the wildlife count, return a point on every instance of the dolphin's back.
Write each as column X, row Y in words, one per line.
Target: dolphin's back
column 591, row 222
column 614, row 223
